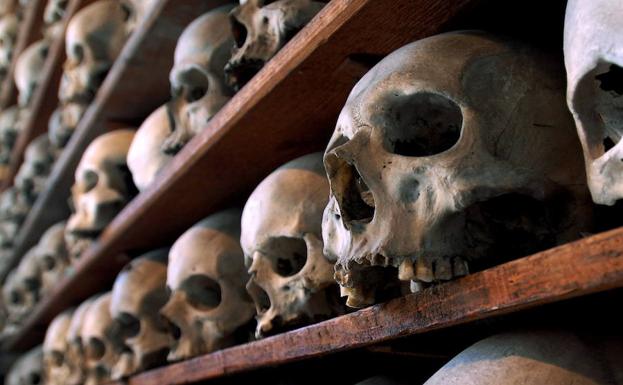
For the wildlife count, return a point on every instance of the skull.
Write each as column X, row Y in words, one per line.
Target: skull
column 95, row 36
column 102, row 341
column 22, row 288
column 32, row 175
column 63, row 123
column 208, row 306
column 13, row 209
column 9, row 130
column 452, row 149
column 593, row 49
column 75, row 356
column 29, row 70
column 55, row 349
column 145, row 158
column 53, row 17
column 291, row 280
column 52, row 256
column 261, row 28
column 138, row 294
column 28, row 369
column 103, row 186
column 8, row 34
column 197, row 78
column 138, row 11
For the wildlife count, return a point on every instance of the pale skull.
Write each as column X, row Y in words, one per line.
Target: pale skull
column 102, row 341
column 29, row 69
column 209, row 307
column 145, row 157
column 138, row 295
column 9, row 130
column 261, row 28
column 8, row 34
column 94, row 39
column 593, row 46
column 452, row 149
column 28, row 369
column 102, row 188
column 53, row 16
column 198, row 79
column 75, row 356
column 63, row 123
column 55, row 348
column 291, row 280
column 22, row 289
column 34, row 171
column 52, row 256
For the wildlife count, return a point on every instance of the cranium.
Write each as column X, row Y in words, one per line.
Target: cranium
column 145, row 157
column 206, row 275
column 9, row 129
column 53, row 16
column 29, row 70
column 261, row 28
column 52, row 256
column 291, row 280
column 13, row 208
column 63, row 123
column 103, row 186
column 454, row 148
column 102, row 341
column 197, row 78
column 8, row 34
column 55, row 348
column 95, row 36
column 34, row 171
column 22, row 288
column 593, row 47
column 137, row 296
column 28, row 369
column 75, row 357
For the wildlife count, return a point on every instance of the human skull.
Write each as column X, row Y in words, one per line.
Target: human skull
column 197, row 79
column 137, row 296
column 8, row 34
column 9, row 130
column 94, row 39
column 208, row 305
column 34, row 171
column 261, row 28
column 22, row 288
column 28, row 369
column 103, row 186
column 53, row 16
column 13, row 208
column 63, row 123
column 55, row 348
column 145, row 157
column 102, row 341
column 453, row 149
column 29, row 70
column 75, row 357
column 291, row 280
column 52, row 257
column 593, row 46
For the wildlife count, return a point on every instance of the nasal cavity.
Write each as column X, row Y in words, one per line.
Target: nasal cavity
column 287, row 255
column 259, row 296
column 239, row 31
column 354, row 197
column 612, row 80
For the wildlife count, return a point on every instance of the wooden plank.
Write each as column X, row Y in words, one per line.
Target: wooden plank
column 580, row 268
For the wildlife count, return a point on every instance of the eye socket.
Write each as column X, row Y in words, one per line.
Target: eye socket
column 202, row 292
column 49, row 263
column 287, row 255
column 56, row 358
column 39, row 168
column 34, row 378
column 78, row 53
column 16, row 297
column 130, row 325
column 90, row 179
column 239, row 31
column 95, row 349
column 195, row 84
column 421, row 124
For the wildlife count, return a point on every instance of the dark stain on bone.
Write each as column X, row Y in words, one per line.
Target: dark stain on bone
column 409, row 190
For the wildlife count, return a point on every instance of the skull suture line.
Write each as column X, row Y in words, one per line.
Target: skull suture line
column 55, row 349
column 291, row 280
column 452, row 149
column 29, row 70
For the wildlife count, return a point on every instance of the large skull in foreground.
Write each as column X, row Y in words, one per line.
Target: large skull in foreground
column 206, row 275
column 22, row 288
column 137, row 296
column 75, row 356
column 534, row 357
column 291, row 280
column 8, row 34
column 593, row 47
column 63, row 123
column 261, row 28
column 103, row 186
column 29, row 70
column 34, row 171
column 52, row 257
column 55, row 349
column 28, row 369
column 145, row 157
column 452, row 149
column 197, row 79
column 95, row 36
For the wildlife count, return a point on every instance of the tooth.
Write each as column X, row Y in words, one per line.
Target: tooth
column 443, row 269
column 344, row 291
column 416, row 286
column 406, row 271
column 460, row 267
column 424, row 270
column 357, row 298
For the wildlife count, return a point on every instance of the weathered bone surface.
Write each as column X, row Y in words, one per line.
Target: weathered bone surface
column 29, row 70
column 197, row 79
column 138, row 295
column 55, row 350
column 53, row 16
column 593, row 46
column 456, row 148
column 209, row 307
column 281, row 235
column 9, row 130
column 8, row 34
column 28, row 369
column 534, row 357
column 95, row 36
column 145, row 157
column 102, row 188
column 22, row 289
column 102, row 341
column 34, row 171
column 261, row 28
column 75, row 356
column 52, row 256
column 138, row 11
column 63, row 123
